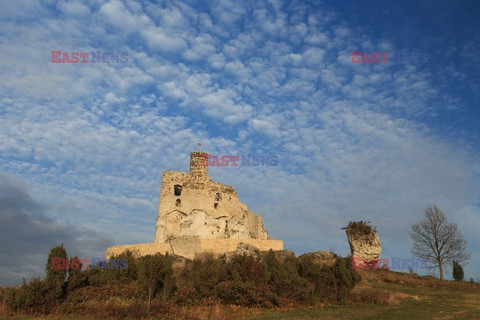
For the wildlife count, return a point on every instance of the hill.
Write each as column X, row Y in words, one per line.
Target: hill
column 381, row 294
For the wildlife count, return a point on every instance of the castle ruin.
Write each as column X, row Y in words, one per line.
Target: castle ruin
column 198, row 215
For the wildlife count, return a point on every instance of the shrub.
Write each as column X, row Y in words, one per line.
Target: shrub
column 76, row 278
column 236, row 292
column 457, row 271
column 106, row 272
column 356, row 276
column 30, row 297
column 345, row 275
column 244, row 280
column 155, row 273
column 322, row 277
column 247, row 268
column 130, row 272
column 199, row 278
column 360, row 228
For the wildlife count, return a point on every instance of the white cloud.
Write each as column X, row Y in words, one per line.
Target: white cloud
column 158, row 39
column 73, row 8
column 264, row 126
column 121, row 18
column 112, row 98
column 313, row 56
column 202, row 47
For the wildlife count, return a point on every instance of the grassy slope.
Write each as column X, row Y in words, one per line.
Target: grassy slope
column 383, row 295
column 410, row 297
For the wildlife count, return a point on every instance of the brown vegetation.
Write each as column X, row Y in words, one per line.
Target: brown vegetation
column 150, row 286
column 360, row 228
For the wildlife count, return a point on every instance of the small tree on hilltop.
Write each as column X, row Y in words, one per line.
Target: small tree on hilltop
column 457, row 271
column 55, row 274
column 437, row 241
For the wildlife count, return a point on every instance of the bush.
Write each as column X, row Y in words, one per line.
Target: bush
column 130, row 272
column 249, row 281
column 244, row 280
column 356, row 276
column 322, row 277
column 286, row 281
column 76, row 278
column 105, row 272
column 236, row 292
column 457, row 271
column 155, row 273
column 360, row 228
column 247, row 268
column 197, row 279
column 346, row 277
column 31, row 297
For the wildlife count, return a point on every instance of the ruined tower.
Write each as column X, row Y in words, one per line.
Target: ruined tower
column 197, row 164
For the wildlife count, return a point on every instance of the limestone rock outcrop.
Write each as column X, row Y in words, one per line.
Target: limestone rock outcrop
column 322, row 258
column 364, row 242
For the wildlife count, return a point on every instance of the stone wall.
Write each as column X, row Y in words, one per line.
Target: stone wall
column 140, row 249
column 189, row 247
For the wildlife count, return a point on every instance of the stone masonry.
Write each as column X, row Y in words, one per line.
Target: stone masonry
column 198, row 215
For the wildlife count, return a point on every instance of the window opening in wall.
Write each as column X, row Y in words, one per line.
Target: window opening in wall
column 177, row 190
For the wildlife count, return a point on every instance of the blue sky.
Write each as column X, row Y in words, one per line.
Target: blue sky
column 83, row 146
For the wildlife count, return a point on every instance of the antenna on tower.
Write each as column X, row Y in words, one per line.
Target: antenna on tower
column 200, row 145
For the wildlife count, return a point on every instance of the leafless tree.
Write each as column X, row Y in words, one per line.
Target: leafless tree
column 437, row 241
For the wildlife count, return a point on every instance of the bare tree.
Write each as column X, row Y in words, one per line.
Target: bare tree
column 437, row 241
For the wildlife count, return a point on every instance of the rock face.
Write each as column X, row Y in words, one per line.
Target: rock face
column 197, row 215
column 323, row 258
column 364, row 242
